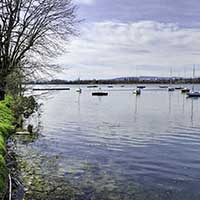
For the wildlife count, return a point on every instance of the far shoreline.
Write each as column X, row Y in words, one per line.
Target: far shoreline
column 112, row 83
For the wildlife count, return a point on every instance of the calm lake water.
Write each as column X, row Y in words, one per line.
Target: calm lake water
column 121, row 146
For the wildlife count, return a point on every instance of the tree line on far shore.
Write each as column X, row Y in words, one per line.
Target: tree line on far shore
column 116, row 81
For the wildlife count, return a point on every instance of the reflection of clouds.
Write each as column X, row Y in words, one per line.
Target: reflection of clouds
column 85, row 2
column 183, row 106
column 79, row 102
column 135, row 113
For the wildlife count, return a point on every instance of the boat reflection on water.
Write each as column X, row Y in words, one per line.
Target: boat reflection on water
column 170, row 102
column 79, row 102
column 136, row 107
column 192, row 111
column 183, row 105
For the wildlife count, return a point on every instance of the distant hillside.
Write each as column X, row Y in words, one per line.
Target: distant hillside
column 148, row 78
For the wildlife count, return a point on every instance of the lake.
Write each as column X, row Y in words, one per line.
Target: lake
column 120, row 146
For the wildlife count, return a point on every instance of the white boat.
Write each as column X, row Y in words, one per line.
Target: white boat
column 137, row 91
column 193, row 93
column 171, row 89
column 79, row 90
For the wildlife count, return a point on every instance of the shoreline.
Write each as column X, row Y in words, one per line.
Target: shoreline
column 6, row 129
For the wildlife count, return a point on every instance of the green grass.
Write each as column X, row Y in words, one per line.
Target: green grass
column 6, row 127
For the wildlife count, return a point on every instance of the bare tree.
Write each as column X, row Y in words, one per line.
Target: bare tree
column 30, row 33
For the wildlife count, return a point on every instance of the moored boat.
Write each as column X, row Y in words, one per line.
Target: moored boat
column 178, row 88
column 185, row 90
column 92, row 86
column 163, row 86
column 171, row 89
column 79, row 90
column 137, row 91
column 193, row 94
column 100, row 94
column 141, row 86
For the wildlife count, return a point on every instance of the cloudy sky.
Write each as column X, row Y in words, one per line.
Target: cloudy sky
column 134, row 37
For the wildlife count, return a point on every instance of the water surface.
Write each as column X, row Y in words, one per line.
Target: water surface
column 121, row 146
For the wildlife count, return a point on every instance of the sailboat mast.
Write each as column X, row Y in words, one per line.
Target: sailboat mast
column 170, row 76
column 193, row 77
column 194, row 71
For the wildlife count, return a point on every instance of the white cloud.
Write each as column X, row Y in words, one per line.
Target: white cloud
column 109, row 49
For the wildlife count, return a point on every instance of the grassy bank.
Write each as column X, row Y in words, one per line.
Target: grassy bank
column 6, row 127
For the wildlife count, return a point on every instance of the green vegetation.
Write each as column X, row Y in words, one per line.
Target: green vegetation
column 12, row 113
column 22, row 35
column 6, row 127
column 23, row 107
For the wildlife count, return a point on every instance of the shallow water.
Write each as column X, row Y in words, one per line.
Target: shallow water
column 120, row 146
